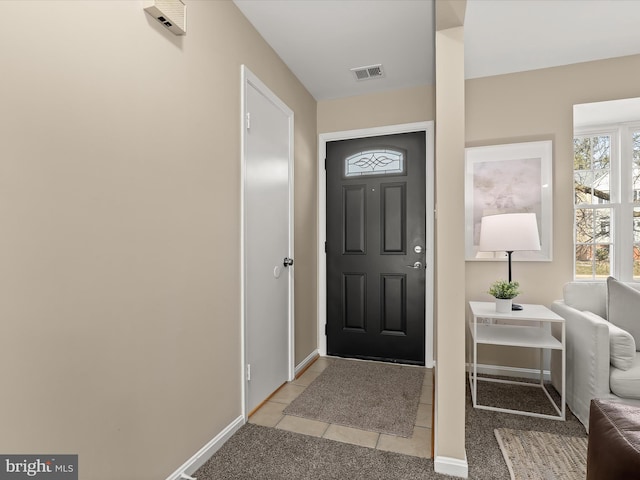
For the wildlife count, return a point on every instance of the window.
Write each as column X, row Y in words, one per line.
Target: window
column 383, row 161
column 593, row 211
column 635, row 159
column 606, row 178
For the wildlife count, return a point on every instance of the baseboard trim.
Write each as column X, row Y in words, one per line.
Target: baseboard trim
column 205, row 453
column 511, row 371
column 305, row 363
column 451, row 466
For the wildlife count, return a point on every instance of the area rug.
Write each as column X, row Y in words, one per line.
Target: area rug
column 366, row 395
column 534, row 455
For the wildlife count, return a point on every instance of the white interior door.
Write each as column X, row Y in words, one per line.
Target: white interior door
column 267, row 142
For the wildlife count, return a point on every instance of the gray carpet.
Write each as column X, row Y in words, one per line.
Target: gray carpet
column 532, row 455
column 504, row 395
column 261, row 453
column 483, row 452
column 367, row 395
column 255, row 453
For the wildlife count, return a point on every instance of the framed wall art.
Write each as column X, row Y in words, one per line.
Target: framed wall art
column 511, row 178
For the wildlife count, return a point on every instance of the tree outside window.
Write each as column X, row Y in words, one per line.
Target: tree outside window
column 592, row 197
column 606, row 181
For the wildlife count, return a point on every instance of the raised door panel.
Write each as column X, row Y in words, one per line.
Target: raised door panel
column 354, row 301
column 354, row 213
column 393, row 211
column 393, row 296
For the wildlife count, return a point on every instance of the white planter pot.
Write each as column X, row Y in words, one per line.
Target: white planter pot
column 503, row 305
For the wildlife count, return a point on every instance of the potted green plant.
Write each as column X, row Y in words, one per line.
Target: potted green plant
column 504, row 292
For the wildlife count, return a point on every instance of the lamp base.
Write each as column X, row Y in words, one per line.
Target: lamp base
column 515, row 306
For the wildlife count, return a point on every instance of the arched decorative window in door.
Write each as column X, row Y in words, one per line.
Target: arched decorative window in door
column 381, row 161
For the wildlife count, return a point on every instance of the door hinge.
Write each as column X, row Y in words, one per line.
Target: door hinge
column 325, row 163
column 248, row 121
column 325, row 247
column 248, row 372
column 326, row 325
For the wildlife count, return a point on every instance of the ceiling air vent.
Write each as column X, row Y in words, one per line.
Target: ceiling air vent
column 366, row 73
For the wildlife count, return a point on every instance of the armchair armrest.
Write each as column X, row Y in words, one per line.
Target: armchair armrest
column 587, row 357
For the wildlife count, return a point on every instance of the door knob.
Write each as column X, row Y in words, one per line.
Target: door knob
column 287, row 261
column 415, row 265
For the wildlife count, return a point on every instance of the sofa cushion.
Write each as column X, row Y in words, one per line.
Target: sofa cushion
column 623, row 307
column 622, row 346
column 626, row 383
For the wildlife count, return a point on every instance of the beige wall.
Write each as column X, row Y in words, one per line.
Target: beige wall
column 530, row 106
column 450, row 268
column 120, row 213
column 409, row 105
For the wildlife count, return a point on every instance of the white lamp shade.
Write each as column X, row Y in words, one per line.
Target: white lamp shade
column 509, row 232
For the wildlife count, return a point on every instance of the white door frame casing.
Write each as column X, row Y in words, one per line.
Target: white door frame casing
column 249, row 78
column 428, row 128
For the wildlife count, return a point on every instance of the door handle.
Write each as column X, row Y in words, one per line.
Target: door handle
column 287, row 261
column 416, row 265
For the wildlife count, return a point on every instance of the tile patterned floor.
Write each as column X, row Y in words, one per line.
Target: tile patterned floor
column 419, row 444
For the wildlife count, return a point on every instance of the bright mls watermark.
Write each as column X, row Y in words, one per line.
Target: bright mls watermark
column 39, row 467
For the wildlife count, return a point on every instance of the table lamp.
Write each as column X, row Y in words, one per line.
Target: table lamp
column 509, row 232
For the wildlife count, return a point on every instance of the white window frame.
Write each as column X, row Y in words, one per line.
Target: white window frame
column 626, row 152
column 621, row 198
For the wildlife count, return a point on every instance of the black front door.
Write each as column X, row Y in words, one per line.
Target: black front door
column 376, row 248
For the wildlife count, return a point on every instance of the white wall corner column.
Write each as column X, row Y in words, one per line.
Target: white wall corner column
column 450, row 454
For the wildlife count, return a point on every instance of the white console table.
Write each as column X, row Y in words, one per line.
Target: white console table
column 515, row 331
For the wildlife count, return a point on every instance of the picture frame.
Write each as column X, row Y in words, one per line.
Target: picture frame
column 510, row 178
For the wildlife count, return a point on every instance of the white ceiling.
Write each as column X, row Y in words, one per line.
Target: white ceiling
column 505, row 36
column 321, row 40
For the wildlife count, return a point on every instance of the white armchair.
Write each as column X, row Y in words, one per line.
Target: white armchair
column 592, row 345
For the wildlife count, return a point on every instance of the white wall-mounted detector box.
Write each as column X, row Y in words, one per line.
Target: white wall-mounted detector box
column 170, row 13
